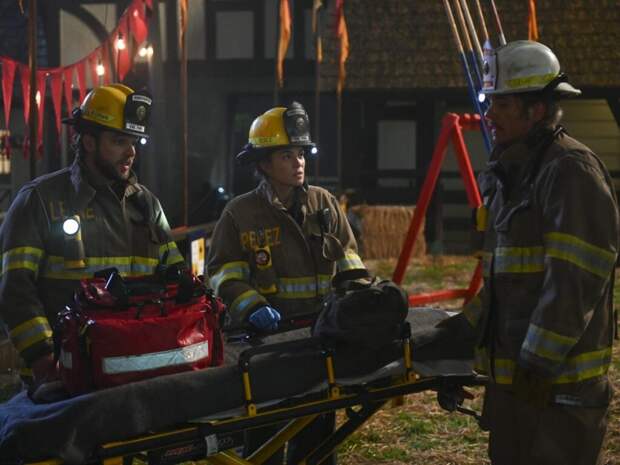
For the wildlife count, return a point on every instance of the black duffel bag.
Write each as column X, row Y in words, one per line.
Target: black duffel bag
column 369, row 314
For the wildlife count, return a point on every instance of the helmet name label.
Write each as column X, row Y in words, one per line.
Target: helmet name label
column 262, row 140
column 97, row 115
column 135, row 127
column 141, row 98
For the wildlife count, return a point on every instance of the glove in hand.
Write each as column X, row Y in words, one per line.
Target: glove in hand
column 265, row 318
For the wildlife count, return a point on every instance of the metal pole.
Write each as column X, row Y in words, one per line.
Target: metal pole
column 498, row 22
column 276, row 85
column 339, row 137
column 32, row 63
column 472, row 31
column 183, row 96
column 483, row 24
column 317, row 92
column 467, row 43
column 468, row 76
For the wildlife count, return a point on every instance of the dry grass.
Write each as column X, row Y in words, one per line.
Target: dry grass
column 420, row 432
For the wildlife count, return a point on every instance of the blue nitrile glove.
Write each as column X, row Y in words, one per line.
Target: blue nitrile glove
column 265, row 318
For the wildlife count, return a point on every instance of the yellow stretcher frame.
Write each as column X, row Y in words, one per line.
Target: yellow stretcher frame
column 213, row 441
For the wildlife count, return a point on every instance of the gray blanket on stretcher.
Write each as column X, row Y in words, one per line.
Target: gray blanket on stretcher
column 71, row 429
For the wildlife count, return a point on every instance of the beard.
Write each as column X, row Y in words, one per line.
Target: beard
column 109, row 169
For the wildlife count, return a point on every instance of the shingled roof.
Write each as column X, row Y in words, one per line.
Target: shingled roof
column 407, row 44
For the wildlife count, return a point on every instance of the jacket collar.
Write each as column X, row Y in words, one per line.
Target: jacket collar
column 512, row 163
column 266, row 191
column 86, row 184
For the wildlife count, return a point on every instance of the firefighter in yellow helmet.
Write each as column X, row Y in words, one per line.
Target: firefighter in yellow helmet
column 549, row 233
column 275, row 249
column 67, row 225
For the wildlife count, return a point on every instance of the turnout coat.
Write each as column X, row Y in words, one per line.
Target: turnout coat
column 260, row 254
column 122, row 225
column 549, row 233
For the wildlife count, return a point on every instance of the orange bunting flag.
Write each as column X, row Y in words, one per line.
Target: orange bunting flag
column 285, row 37
column 343, row 34
column 183, row 6
column 316, row 8
column 532, row 23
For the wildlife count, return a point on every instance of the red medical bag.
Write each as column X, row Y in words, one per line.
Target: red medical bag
column 107, row 338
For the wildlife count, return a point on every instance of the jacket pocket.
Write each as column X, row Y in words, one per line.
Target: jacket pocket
column 510, row 213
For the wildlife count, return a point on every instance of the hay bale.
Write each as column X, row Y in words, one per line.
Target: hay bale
column 383, row 230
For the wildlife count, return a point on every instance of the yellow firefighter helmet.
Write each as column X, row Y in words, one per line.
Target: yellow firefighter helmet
column 115, row 107
column 277, row 128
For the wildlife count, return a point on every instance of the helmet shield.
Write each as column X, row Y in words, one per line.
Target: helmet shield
column 297, row 125
column 136, row 113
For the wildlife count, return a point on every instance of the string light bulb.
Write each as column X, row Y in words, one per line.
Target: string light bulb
column 37, row 98
column 146, row 51
column 100, row 69
column 120, row 42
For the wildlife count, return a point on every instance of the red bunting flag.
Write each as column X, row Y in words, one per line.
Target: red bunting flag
column 285, row 37
column 25, row 80
column 105, row 61
column 41, row 88
column 81, row 75
column 137, row 23
column 68, row 85
column 56, row 88
column 133, row 24
column 8, row 77
column 93, row 62
column 123, row 58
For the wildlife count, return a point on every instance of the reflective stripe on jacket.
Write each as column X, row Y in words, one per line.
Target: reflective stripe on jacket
column 550, row 248
column 39, row 269
column 259, row 254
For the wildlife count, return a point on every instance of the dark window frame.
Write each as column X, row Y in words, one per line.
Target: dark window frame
column 259, row 66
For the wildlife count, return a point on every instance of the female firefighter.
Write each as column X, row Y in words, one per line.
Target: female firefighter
column 275, row 249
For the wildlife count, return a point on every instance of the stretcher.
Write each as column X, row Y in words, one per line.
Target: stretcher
column 203, row 414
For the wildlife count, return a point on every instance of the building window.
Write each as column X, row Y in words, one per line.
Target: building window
column 234, row 36
column 396, row 149
column 242, row 36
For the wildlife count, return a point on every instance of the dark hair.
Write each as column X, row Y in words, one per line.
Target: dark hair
column 553, row 110
column 77, row 144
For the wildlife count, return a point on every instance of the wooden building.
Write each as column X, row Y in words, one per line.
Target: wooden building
column 403, row 75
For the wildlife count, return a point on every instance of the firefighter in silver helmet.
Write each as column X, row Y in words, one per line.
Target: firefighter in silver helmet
column 275, row 249
column 67, row 225
column 548, row 232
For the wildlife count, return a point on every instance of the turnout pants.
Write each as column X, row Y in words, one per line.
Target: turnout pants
column 520, row 434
